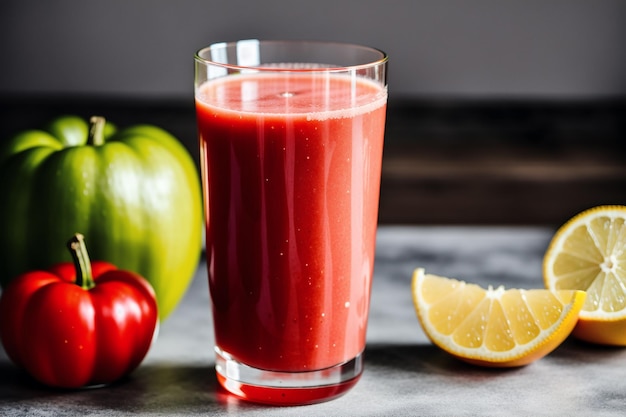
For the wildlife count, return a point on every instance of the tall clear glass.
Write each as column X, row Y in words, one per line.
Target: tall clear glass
column 291, row 139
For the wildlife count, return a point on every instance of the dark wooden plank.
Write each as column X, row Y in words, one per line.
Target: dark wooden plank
column 446, row 161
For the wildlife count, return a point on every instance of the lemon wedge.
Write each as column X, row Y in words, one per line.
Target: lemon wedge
column 493, row 327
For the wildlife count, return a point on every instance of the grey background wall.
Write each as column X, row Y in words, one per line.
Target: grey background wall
column 443, row 48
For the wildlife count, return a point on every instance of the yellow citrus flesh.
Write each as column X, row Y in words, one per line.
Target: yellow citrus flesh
column 493, row 327
column 589, row 253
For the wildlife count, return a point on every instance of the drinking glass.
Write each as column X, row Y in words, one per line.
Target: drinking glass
column 291, row 141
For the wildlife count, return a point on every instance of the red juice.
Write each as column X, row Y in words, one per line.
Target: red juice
column 291, row 168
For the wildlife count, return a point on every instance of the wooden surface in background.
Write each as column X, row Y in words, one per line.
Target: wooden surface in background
column 445, row 162
column 489, row 184
column 515, row 162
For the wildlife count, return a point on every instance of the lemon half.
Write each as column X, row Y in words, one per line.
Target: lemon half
column 589, row 253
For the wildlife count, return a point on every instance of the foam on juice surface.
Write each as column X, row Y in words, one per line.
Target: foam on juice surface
column 296, row 94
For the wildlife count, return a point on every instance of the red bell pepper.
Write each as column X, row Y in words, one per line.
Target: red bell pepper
column 78, row 324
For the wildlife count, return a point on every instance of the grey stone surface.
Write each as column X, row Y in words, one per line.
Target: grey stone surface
column 405, row 375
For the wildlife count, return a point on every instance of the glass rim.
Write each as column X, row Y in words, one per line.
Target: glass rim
column 325, row 67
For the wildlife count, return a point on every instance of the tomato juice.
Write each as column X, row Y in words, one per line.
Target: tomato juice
column 291, row 166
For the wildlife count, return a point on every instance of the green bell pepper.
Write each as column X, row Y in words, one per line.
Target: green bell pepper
column 134, row 193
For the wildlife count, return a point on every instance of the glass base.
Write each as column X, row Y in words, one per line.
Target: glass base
column 286, row 388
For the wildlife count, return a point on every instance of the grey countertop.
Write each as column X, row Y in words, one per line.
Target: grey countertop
column 405, row 375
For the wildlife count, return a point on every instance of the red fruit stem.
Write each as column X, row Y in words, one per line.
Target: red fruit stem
column 78, row 249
